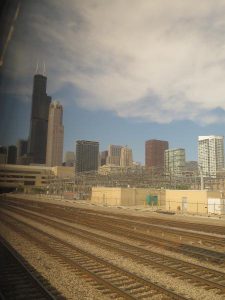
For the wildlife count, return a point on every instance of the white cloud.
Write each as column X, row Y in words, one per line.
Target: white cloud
column 153, row 60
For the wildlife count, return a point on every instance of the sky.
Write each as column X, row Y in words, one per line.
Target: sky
column 126, row 71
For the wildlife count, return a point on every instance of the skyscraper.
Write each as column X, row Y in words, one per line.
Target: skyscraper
column 210, row 154
column 39, row 120
column 87, row 155
column 175, row 161
column 126, row 158
column 3, row 155
column 54, row 153
column 154, row 154
column 21, row 150
column 114, row 154
column 11, row 154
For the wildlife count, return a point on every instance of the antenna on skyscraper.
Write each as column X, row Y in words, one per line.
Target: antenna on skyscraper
column 44, row 68
column 37, row 68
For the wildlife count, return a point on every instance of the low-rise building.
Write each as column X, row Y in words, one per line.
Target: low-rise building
column 63, row 172
column 195, row 201
column 114, row 170
column 103, row 157
column 20, row 176
column 69, row 159
column 114, row 196
column 15, row 176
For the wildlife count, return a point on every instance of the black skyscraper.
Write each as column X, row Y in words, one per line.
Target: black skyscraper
column 87, row 153
column 11, row 154
column 39, row 120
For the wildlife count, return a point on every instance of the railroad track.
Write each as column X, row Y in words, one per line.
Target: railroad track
column 18, row 280
column 179, row 238
column 106, row 277
column 132, row 233
column 198, row 275
column 169, row 229
column 153, row 220
column 143, row 225
column 206, row 239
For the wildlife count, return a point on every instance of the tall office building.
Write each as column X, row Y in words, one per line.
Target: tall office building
column 54, row 153
column 154, row 154
column 11, row 154
column 69, row 159
column 87, row 156
column 21, row 151
column 126, row 158
column 3, row 155
column 114, row 153
column 39, row 120
column 210, row 154
column 175, row 161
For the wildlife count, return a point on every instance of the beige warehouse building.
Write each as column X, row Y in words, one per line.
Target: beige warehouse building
column 201, row 202
column 195, row 201
column 125, row 196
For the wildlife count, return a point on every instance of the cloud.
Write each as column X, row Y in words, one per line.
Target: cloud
column 156, row 61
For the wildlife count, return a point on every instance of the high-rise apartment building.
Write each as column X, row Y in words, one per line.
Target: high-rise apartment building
column 126, row 158
column 54, row 153
column 210, row 154
column 87, row 156
column 21, row 150
column 114, row 153
column 175, row 161
column 11, row 154
column 39, row 120
column 154, row 154
column 69, row 159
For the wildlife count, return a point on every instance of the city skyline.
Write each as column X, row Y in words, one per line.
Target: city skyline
column 117, row 87
column 39, row 89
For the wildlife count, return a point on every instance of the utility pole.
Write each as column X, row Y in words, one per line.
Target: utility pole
column 201, row 177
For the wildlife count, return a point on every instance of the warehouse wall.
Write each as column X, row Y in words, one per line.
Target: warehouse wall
column 106, row 196
column 190, row 201
column 125, row 196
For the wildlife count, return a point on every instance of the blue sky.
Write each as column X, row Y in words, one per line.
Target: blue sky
column 155, row 70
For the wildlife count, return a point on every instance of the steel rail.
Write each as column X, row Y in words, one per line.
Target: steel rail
column 95, row 267
column 163, row 262
column 29, row 282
